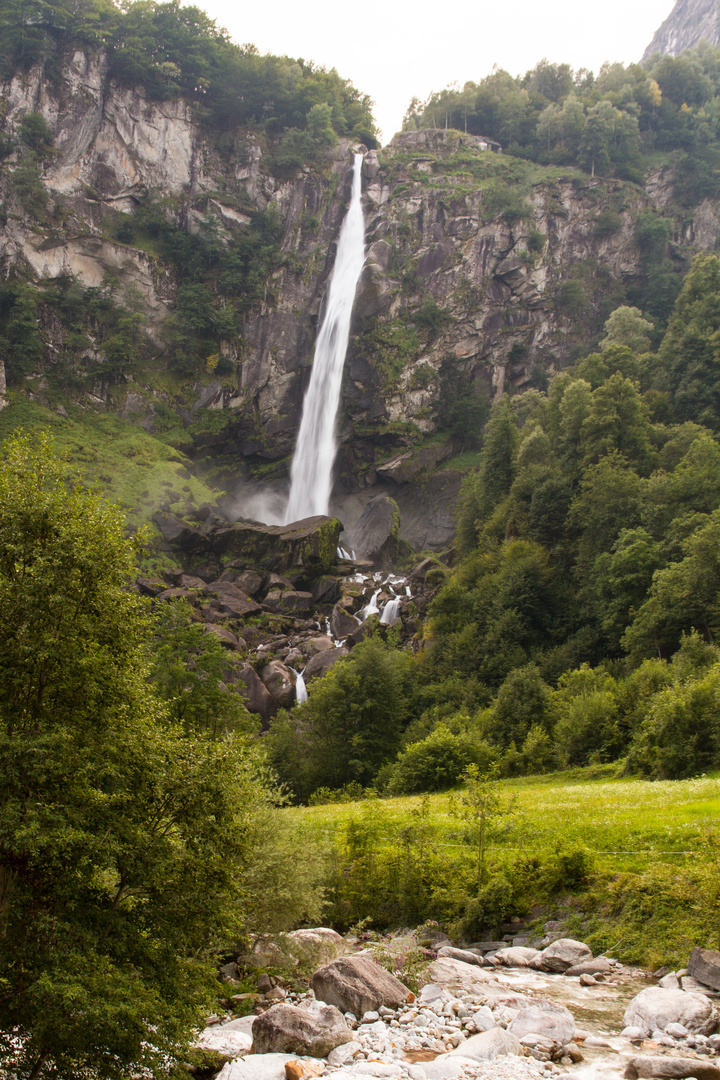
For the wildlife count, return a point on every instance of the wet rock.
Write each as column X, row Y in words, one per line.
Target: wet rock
column 322, row 662
column 598, row 966
column 588, row 980
column 655, row 1008
column 563, row 954
column 280, row 681
column 704, row 965
column 488, row 1045
column 310, row 543
column 646, row 1068
column 358, row 985
column 287, row 1029
column 634, row 1034
column 545, row 1018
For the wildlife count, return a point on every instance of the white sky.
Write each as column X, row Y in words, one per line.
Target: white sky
column 394, row 51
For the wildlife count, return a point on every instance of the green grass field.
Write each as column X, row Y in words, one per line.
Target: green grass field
column 654, row 890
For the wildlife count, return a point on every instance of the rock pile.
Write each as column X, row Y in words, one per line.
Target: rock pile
column 501, row 1013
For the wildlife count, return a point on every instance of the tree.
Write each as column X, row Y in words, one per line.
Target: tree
column 626, row 326
column 123, row 844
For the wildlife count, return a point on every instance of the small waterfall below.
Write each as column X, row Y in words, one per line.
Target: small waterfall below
column 391, row 612
column 312, row 464
column 301, row 693
column 371, row 608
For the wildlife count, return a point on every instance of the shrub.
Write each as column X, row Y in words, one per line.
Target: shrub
column 436, row 762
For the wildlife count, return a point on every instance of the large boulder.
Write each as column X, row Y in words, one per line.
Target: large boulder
column 464, row 955
column 654, row 1008
column 563, row 954
column 488, row 1045
column 259, row 699
column 226, row 1040
column 516, row 956
column 285, row 1029
column 322, row 662
column 704, row 965
column 342, row 622
column 457, row 976
column 256, row 1067
column 646, row 1068
column 280, row 681
column 310, row 544
column 179, row 534
column 545, row 1018
column 319, row 943
column 598, row 966
column 358, row 985
column 376, row 534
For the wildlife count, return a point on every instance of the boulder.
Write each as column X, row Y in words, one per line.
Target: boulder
column 310, row 544
column 233, row 600
column 341, row 622
column 249, row 581
column 344, row 1054
column 318, row 943
column 545, row 1018
column 483, row 1018
column 447, row 1067
column 258, row 697
column 289, row 602
column 458, row 976
column 224, row 636
column 316, row 645
column 256, row 1067
column 704, row 965
column 655, row 1008
column 226, row 1040
column 376, row 534
column 646, row 1068
column 322, row 662
column 179, row 534
column 563, row 954
column 358, row 985
column 516, row 956
column 286, row 1029
column 280, row 681
column 488, row 1045
column 465, row 955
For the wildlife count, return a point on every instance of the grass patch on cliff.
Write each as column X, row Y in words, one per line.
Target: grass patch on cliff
column 120, row 460
column 652, row 890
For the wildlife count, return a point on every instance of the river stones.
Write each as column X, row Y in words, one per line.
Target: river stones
column 488, row 1045
column 545, row 1018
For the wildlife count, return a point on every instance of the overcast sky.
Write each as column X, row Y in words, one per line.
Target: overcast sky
column 395, row 50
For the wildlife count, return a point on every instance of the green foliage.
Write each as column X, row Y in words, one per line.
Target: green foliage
column 626, row 326
column 435, row 763
column 28, row 188
column 35, row 133
column 124, row 845
column 351, row 724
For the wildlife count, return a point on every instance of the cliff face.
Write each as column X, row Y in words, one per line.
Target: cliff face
column 483, row 273
column 689, row 23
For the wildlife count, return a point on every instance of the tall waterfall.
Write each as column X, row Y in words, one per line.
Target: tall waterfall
column 312, row 464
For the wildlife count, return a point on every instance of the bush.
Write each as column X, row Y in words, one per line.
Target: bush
column 436, row 762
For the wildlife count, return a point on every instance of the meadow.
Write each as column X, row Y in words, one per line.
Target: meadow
column 648, row 886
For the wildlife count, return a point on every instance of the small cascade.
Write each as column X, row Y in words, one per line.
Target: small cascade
column 391, row 612
column 371, row 608
column 312, row 463
column 301, row 693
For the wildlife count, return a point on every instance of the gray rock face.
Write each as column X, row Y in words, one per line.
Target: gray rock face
column 259, row 698
column 323, row 661
column 704, row 965
column 457, row 975
column 545, row 1018
column 488, row 1045
column 655, row 1008
column 285, row 1029
column 646, row 1068
column 341, row 623
column 376, row 534
column 563, row 954
column 689, row 23
column 358, row 985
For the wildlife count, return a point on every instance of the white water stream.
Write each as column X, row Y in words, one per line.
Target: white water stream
column 312, row 464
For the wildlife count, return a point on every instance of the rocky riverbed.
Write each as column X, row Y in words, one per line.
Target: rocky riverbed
column 507, row 1012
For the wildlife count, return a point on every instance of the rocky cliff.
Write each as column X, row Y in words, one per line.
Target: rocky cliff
column 689, row 23
column 484, row 273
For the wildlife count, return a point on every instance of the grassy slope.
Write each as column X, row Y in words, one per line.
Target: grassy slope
column 117, row 458
column 654, row 892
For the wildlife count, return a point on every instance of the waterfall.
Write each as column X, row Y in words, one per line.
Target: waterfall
column 391, row 612
column 371, row 608
column 301, row 693
column 312, row 464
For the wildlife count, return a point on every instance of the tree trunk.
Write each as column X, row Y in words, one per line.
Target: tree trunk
column 37, row 1067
